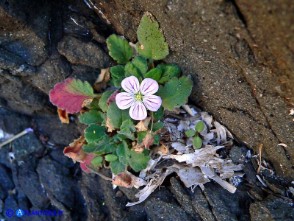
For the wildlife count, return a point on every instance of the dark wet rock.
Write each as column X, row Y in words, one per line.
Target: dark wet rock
column 57, row 181
column 10, row 203
column 273, row 208
column 58, row 156
column 183, row 198
column 58, row 133
column 238, row 154
column 12, row 122
column 21, row 97
column 6, row 179
column 45, row 79
column 85, row 73
column 27, row 145
column 160, row 210
column 29, row 183
column 225, row 205
column 201, row 205
column 93, row 198
column 204, row 38
column 1, row 205
column 79, row 52
column 24, row 26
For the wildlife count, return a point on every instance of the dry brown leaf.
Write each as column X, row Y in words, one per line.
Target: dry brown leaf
column 101, row 82
column 128, row 180
column 192, row 176
column 87, row 102
column 163, row 150
column 75, row 151
column 63, row 116
column 110, row 128
column 148, row 140
column 139, row 148
column 143, row 124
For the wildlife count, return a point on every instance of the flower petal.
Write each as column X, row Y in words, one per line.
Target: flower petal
column 124, row 100
column 131, row 84
column 148, row 86
column 138, row 111
column 152, row 102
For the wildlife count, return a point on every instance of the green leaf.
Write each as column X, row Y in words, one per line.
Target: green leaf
column 158, row 115
column 154, row 73
column 119, row 49
column 92, row 117
column 175, row 92
column 116, row 116
column 94, row 133
column 97, row 161
column 138, row 161
column 90, row 148
column 197, row 142
column 151, row 43
column 168, row 72
column 157, row 126
column 103, row 100
column 199, row 127
column 117, row 167
column 156, row 138
column 127, row 129
column 190, row 133
column 117, row 75
column 137, row 67
column 110, row 157
column 141, row 135
column 122, row 151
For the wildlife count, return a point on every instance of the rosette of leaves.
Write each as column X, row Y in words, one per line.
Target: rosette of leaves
column 111, row 134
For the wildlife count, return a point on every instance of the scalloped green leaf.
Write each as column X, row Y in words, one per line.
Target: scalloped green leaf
column 168, row 72
column 103, row 100
column 127, row 129
column 119, row 49
column 117, row 167
column 154, row 73
column 151, row 41
column 116, row 116
column 94, row 133
column 197, row 142
column 71, row 94
column 137, row 67
column 97, row 161
column 138, row 161
column 175, row 92
column 117, row 75
column 92, row 117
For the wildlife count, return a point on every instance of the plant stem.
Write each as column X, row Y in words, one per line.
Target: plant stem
column 27, row 130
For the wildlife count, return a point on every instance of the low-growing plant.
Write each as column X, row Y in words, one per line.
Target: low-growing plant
column 124, row 115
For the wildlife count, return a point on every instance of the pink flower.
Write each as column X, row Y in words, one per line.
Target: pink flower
column 138, row 97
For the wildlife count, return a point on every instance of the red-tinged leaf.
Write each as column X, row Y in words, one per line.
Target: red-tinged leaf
column 86, row 162
column 71, row 95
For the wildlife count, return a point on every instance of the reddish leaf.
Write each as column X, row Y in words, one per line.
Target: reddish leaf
column 86, row 162
column 71, row 95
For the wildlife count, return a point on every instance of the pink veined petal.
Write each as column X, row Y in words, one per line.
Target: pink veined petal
column 148, row 86
column 131, row 84
column 152, row 102
column 124, row 100
column 138, row 111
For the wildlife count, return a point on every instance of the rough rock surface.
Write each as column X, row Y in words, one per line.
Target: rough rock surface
column 234, row 73
column 239, row 55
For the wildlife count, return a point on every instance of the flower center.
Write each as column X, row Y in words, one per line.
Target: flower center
column 138, row 97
